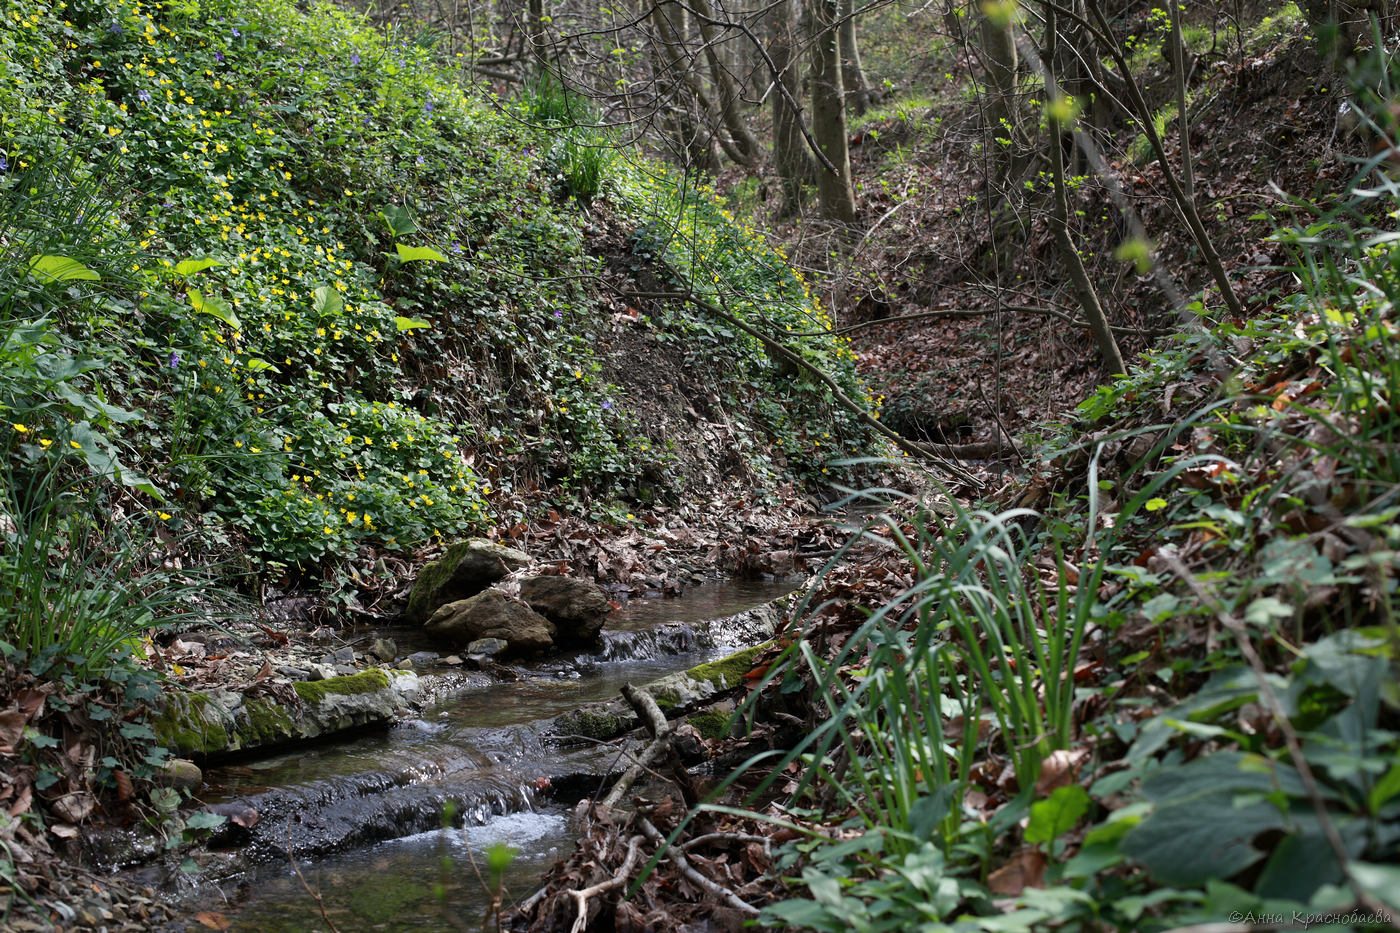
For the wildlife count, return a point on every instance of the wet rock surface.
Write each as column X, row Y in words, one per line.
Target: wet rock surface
column 492, row 614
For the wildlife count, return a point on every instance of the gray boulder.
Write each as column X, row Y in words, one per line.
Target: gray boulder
column 576, row 607
column 466, row 569
column 492, row 614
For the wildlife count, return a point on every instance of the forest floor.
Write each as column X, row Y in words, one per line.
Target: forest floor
column 940, row 338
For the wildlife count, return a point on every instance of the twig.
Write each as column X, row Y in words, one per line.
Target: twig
column 581, row 897
column 694, row 877
column 315, row 895
column 726, row 837
column 1290, row 737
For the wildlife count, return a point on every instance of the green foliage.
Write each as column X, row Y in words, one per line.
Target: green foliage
column 340, row 301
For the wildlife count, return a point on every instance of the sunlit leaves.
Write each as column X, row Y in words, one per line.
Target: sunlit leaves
column 52, row 269
column 216, row 307
column 418, row 253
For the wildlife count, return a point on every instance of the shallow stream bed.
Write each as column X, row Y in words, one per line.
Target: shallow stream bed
column 364, row 818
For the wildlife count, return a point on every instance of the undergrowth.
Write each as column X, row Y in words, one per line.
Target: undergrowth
column 1168, row 697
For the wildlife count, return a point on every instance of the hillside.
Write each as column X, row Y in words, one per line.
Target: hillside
column 320, row 299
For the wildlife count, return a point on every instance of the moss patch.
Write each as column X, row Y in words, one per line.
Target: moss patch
column 314, row 691
column 712, row 724
column 268, row 721
column 596, row 724
column 727, row 672
column 182, row 726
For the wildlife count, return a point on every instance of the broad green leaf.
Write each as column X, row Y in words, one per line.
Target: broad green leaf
column 1188, row 842
column 415, row 253
column 1057, row 814
column 326, row 300
column 50, row 269
column 398, row 220
column 409, row 323
column 257, row 365
column 215, row 306
column 189, row 267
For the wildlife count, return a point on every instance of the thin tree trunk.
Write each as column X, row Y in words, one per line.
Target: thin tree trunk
column 838, row 199
column 744, row 139
column 676, row 83
column 1186, row 203
column 791, row 159
column 859, row 94
column 1069, row 255
column 535, row 41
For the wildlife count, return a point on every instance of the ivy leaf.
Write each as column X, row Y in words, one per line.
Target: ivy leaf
column 189, row 267
column 415, row 253
column 51, row 269
column 409, row 323
column 216, row 306
column 326, row 300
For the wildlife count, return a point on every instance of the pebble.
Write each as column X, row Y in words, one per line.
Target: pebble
column 384, row 649
column 295, row 673
column 422, row 658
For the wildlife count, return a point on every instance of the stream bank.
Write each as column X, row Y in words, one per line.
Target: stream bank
column 374, row 821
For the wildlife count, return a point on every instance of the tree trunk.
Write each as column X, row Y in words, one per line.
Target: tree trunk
column 838, row 199
column 536, row 43
column 997, row 40
column 678, row 87
column 791, row 159
column 859, row 94
column 728, row 104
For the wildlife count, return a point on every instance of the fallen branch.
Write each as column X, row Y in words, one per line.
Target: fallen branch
column 621, row 875
column 662, row 733
column 714, row 888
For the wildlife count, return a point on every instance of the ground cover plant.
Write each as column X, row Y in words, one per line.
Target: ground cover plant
column 279, row 293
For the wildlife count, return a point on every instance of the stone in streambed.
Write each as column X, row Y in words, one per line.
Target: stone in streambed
column 180, row 773
column 465, row 570
column 492, row 614
column 576, row 607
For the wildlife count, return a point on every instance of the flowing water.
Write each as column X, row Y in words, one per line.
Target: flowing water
column 364, row 819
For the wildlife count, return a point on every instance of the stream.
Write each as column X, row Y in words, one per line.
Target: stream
column 393, row 828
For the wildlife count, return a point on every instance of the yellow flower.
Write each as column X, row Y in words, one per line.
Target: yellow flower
column 75, row 445
column 164, row 516
column 45, row 443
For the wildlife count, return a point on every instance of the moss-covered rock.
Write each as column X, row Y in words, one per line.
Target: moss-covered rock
column 712, row 723
column 222, row 722
column 466, row 569
column 727, row 672
column 314, row 691
column 189, row 726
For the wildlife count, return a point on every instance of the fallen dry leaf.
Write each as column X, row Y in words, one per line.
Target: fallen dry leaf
column 212, row 920
column 1026, row 869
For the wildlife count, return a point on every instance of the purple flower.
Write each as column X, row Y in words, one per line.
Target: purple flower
column 115, row 29
column 174, row 361
column 559, row 314
column 236, row 33
column 145, row 95
column 456, row 245
column 429, row 107
column 607, row 403
column 4, row 163
column 218, row 56
column 354, row 58
column 419, row 160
